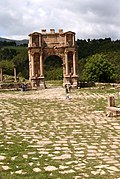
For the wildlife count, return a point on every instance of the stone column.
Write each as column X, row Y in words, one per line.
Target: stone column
column 30, row 41
column 65, row 40
column 73, row 40
column 39, row 40
column 1, row 77
column 32, row 65
column 74, row 63
column 41, row 65
column 66, row 63
column 15, row 74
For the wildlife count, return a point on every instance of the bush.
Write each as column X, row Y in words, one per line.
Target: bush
column 55, row 74
column 99, row 69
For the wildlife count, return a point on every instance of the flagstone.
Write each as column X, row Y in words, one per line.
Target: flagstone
column 101, row 166
column 18, row 172
column 50, row 168
column 67, row 171
column 95, row 172
column 114, row 146
column 36, row 169
column 5, row 167
column 61, row 167
column 102, row 172
column 62, row 157
column 113, row 168
column 71, row 162
column 92, row 147
column 43, row 152
column 13, row 158
column 2, row 157
column 60, row 138
column 25, row 156
column 117, row 127
column 30, row 163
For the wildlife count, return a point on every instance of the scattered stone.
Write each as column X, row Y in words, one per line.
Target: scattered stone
column 67, row 171
column 61, row 167
column 62, row 157
column 50, row 168
column 36, row 170
column 18, row 172
column 95, row 172
column 13, row 158
column 25, row 156
column 113, row 168
column 5, row 167
column 31, row 163
column 102, row 172
column 2, row 157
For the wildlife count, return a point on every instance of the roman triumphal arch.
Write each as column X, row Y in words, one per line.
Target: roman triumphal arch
column 42, row 45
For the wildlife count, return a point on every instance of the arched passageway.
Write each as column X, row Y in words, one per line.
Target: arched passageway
column 53, row 67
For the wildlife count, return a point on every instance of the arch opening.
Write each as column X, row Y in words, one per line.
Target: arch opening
column 53, row 68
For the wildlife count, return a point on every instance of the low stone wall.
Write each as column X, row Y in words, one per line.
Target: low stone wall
column 13, row 86
column 86, row 84
column 104, row 85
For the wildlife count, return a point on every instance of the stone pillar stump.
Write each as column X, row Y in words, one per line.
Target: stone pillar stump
column 111, row 101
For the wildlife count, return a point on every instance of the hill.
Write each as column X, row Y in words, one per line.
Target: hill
column 18, row 42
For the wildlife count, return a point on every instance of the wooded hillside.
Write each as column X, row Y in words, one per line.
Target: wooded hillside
column 12, row 54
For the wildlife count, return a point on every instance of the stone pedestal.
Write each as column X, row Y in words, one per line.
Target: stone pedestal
column 66, row 80
column 38, row 83
column 42, row 83
column 111, row 101
column 74, row 81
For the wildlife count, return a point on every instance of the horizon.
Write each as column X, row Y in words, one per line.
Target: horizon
column 19, row 39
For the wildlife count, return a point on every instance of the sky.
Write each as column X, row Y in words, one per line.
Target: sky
column 89, row 19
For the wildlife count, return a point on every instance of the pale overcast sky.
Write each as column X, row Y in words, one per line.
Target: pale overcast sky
column 87, row 18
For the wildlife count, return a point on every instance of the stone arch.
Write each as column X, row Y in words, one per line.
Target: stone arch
column 42, row 45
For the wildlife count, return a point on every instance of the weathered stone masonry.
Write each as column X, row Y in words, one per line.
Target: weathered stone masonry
column 42, row 45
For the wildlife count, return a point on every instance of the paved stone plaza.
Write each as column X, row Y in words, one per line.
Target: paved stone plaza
column 43, row 135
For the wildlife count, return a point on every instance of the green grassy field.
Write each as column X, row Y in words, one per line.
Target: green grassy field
column 45, row 136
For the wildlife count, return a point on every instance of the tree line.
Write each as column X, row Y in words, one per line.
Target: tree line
column 98, row 60
column 11, row 54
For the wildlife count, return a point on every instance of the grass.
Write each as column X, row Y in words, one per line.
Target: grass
column 37, row 133
column 54, row 83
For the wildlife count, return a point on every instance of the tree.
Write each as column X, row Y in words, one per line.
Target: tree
column 7, row 67
column 99, row 69
column 7, row 53
column 21, row 61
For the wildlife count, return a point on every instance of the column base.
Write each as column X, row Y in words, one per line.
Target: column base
column 66, row 80
column 38, row 83
column 73, row 80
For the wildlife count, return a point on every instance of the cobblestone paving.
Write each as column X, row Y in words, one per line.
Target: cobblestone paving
column 43, row 135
